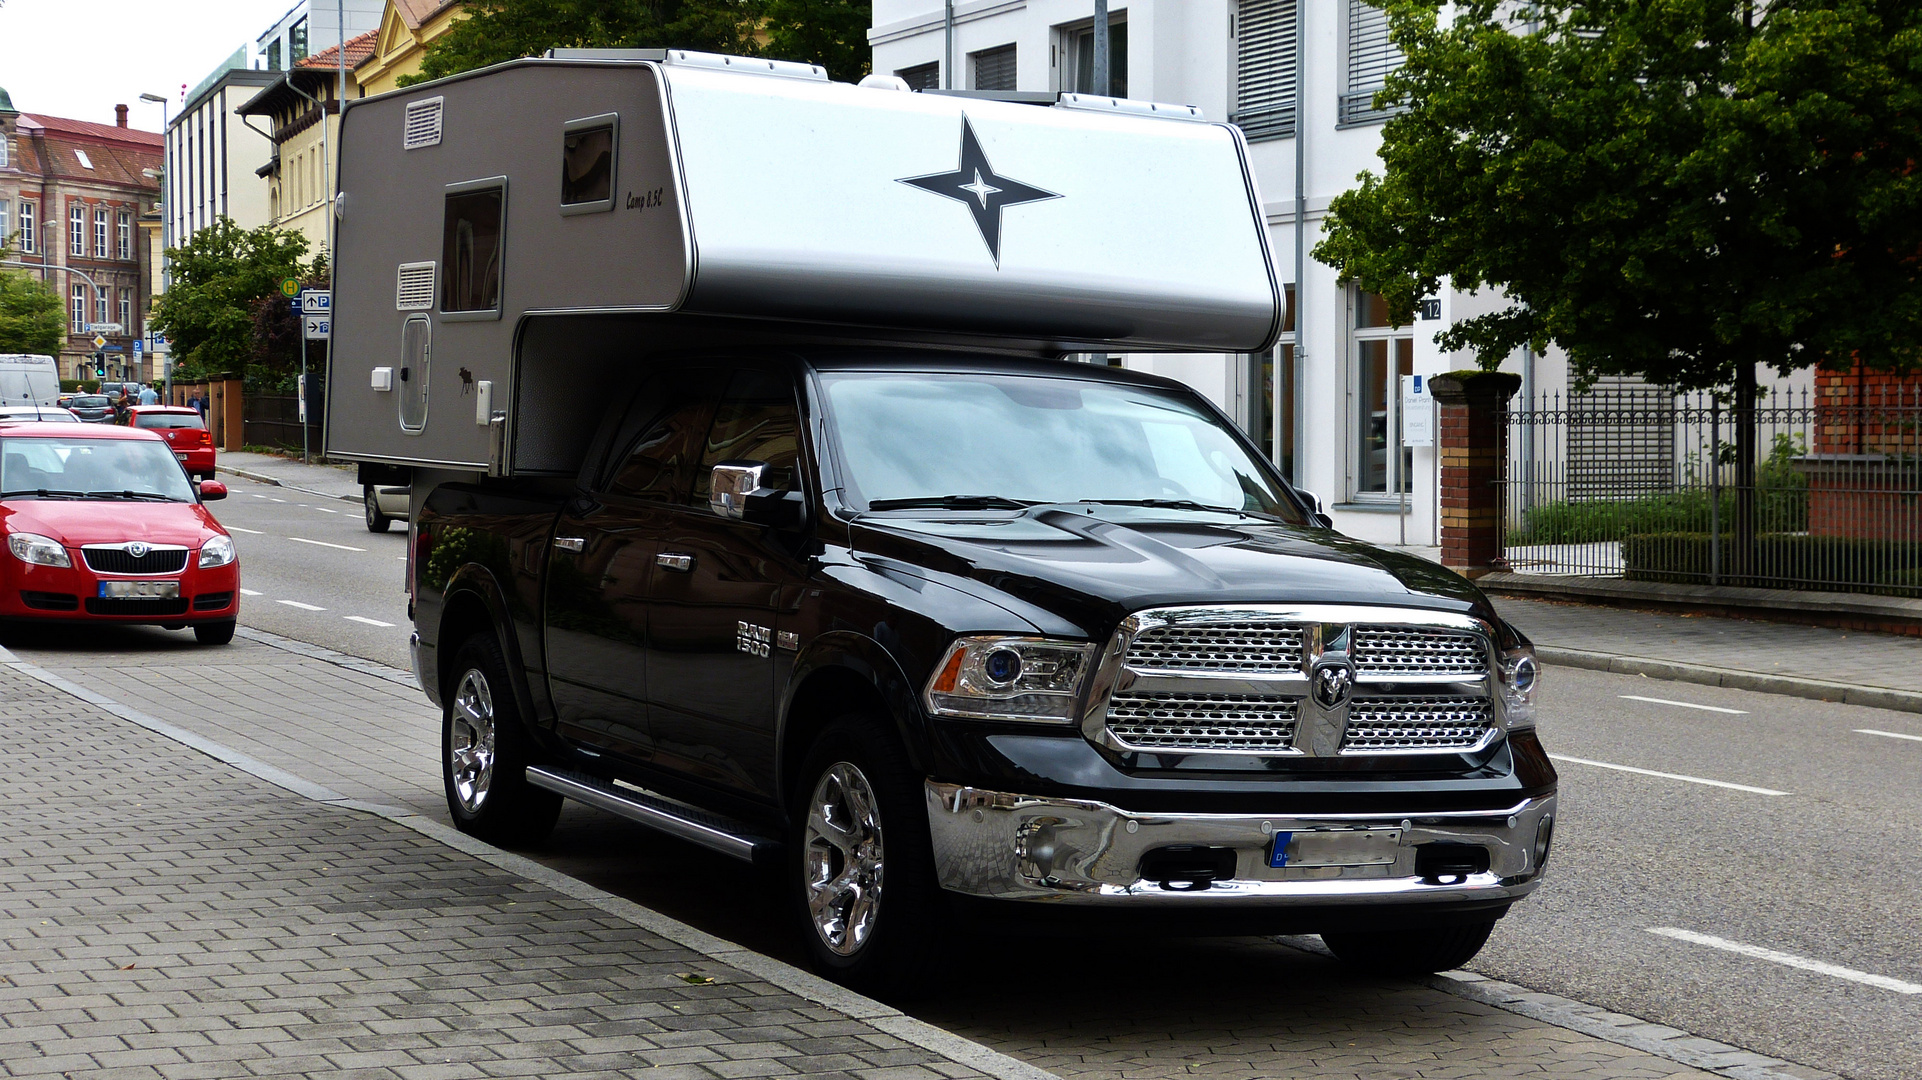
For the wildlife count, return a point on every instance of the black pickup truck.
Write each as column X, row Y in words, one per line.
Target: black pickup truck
column 939, row 632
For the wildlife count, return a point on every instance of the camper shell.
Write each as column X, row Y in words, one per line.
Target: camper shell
column 512, row 237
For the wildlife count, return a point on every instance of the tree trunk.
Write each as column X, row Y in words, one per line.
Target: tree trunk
column 1742, row 550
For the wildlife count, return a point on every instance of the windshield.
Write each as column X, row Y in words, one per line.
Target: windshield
column 92, row 401
column 72, row 468
column 168, row 420
column 1004, row 439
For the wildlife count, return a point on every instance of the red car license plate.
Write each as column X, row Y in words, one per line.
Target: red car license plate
column 140, row 590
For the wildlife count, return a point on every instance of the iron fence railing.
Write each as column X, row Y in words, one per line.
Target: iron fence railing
column 1645, row 485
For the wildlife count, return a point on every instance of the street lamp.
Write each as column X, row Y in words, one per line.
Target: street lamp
column 166, row 227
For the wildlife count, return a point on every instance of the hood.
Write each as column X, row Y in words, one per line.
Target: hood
column 75, row 522
column 1094, row 565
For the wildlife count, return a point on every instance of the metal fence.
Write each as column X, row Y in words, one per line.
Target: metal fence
column 1634, row 482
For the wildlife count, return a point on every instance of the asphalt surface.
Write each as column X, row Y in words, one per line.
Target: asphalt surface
column 310, row 570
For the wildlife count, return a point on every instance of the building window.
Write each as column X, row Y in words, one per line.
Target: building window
column 273, row 55
column 993, row 69
column 297, row 43
column 921, row 76
column 1077, row 54
column 77, row 229
column 1371, row 58
column 126, row 311
column 79, row 323
column 1273, row 410
column 26, row 228
column 99, row 232
column 6, row 223
column 124, row 239
column 1383, row 354
column 1265, row 73
column 5, row 146
column 101, row 310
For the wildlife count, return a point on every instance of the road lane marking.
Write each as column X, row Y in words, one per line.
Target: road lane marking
column 369, row 622
column 249, row 592
column 1668, row 775
column 272, row 499
column 256, row 494
column 1684, row 704
column 1888, row 734
column 323, row 543
column 249, row 532
column 301, row 606
column 323, row 510
column 1882, row 982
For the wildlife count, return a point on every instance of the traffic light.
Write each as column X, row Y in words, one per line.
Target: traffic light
column 99, row 365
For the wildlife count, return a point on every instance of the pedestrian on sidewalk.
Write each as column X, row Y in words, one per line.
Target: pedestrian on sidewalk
column 149, row 396
column 197, row 405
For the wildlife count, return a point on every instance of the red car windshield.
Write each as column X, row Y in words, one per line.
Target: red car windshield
column 57, row 468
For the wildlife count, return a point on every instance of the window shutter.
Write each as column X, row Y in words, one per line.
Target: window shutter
column 994, row 69
column 1265, row 68
column 922, row 76
column 1371, row 57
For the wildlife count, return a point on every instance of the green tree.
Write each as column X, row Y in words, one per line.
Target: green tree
column 1676, row 189
column 501, row 30
column 832, row 33
column 218, row 275
column 33, row 319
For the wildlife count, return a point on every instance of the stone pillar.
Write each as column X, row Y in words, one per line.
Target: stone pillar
column 226, row 412
column 1472, row 407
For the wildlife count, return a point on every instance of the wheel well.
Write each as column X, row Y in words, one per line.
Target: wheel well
column 826, row 694
column 466, row 615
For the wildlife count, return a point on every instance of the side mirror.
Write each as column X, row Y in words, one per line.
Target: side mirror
column 212, row 491
column 735, row 493
column 1319, row 515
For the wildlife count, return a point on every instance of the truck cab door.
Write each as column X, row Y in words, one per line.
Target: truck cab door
column 601, row 556
column 720, row 592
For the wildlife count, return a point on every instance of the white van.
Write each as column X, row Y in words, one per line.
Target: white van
column 28, row 380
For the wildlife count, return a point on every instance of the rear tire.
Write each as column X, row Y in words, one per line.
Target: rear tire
column 860, row 865
column 485, row 751
column 214, row 633
column 377, row 522
column 1411, row 952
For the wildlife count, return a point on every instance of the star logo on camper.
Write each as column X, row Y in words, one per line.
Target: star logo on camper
column 976, row 185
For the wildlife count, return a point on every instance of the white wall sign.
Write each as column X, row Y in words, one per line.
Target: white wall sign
column 1417, row 412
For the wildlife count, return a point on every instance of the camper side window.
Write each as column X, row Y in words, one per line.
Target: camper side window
column 587, row 164
column 470, row 269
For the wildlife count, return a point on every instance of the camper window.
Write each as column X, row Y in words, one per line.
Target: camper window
column 587, row 164
column 470, row 284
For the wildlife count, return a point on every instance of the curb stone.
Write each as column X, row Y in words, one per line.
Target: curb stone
column 263, row 478
column 783, row 976
column 1874, row 697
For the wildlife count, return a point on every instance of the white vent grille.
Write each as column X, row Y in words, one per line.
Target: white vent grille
column 422, row 126
column 415, row 290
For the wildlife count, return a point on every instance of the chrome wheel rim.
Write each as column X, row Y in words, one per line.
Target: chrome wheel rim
column 843, row 859
column 470, row 742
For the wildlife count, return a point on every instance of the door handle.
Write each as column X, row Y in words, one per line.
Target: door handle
column 675, row 561
column 570, row 543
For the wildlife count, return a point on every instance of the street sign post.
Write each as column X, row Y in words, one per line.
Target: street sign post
column 105, row 328
column 316, row 301
column 1417, row 412
column 317, row 327
column 289, row 288
column 99, row 342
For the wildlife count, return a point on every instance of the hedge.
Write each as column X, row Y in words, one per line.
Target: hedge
column 1782, row 560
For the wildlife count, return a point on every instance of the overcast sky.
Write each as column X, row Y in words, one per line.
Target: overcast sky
column 79, row 58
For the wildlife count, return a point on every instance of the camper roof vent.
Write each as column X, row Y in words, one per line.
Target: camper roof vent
column 747, row 65
column 415, row 290
column 1128, row 107
column 422, row 125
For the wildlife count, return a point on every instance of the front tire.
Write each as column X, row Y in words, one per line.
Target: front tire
column 377, row 522
column 860, row 866
column 485, row 751
column 214, row 633
column 1411, row 952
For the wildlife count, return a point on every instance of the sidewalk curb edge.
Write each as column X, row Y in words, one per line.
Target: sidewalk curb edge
column 1874, row 697
column 784, row 976
column 263, row 478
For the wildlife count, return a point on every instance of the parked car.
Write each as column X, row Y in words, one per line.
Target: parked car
column 184, row 429
column 384, row 505
column 90, row 408
column 43, row 413
column 102, row 524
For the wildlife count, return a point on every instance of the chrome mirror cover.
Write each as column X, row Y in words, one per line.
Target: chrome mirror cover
column 730, row 485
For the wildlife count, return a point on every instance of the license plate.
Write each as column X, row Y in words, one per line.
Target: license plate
column 140, row 590
column 180, row 455
column 1335, row 847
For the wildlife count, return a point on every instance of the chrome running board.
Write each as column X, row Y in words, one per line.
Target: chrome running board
column 710, row 831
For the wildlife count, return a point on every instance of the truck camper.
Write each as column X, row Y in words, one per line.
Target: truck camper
column 755, row 495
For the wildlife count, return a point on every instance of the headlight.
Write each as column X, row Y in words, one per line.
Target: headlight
column 216, row 552
column 1010, row 678
column 36, row 550
column 1520, row 675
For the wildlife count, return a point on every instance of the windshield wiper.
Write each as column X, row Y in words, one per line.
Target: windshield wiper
column 951, row 502
column 1184, row 504
column 45, row 493
column 146, row 496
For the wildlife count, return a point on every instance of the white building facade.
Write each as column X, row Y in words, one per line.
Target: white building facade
column 211, row 154
column 1299, row 78
column 310, row 26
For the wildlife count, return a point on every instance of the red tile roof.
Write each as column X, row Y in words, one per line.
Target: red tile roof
column 88, row 130
column 359, row 48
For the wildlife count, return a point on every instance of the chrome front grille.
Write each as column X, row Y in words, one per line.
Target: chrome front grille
column 1226, row 647
column 1386, row 724
column 116, row 559
column 1417, row 650
column 1199, row 722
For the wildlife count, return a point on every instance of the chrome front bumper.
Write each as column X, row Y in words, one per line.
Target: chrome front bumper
column 1016, row 847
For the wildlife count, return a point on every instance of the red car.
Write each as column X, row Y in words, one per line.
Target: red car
column 103, row 525
column 184, row 429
